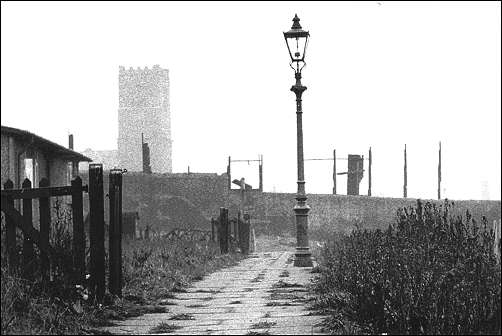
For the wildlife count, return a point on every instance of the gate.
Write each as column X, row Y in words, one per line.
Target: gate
column 231, row 232
column 24, row 221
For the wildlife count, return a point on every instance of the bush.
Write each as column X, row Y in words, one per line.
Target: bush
column 430, row 273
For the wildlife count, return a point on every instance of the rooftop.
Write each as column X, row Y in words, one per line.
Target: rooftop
column 44, row 144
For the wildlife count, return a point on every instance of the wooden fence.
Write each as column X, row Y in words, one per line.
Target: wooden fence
column 231, row 233
column 24, row 221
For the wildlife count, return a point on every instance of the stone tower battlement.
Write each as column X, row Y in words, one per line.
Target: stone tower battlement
column 144, row 108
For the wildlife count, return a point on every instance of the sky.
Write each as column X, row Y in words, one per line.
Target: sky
column 380, row 74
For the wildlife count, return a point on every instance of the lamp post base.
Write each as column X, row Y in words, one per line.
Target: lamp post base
column 303, row 257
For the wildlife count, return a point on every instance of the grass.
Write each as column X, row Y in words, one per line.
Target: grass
column 152, row 271
column 252, row 332
column 278, row 304
column 164, row 328
column 432, row 272
column 197, row 305
column 283, row 284
column 182, row 317
column 258, row 278
column 263, row 325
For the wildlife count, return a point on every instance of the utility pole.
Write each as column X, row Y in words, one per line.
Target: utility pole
column 334, row 171
column 405, row 185
column 439, row 172
column 369, row 173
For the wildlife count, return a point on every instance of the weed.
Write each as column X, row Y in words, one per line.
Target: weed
column 429, row 273
column 283, row 284
column 263, row 325
column 182, row 317
column 164, row 328
column 197, row 305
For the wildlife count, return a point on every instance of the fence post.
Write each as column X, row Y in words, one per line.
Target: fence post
column 223, row 230
column 28, row 254
column 238, row 228
column 97, row 230
column 213, row 236
column 78, row 230
column 45, row 228
column 115, row 233
column 10, row 234
column 244, row 234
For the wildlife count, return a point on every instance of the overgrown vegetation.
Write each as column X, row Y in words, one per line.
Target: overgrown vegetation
column 430, row 273
column 152, row 270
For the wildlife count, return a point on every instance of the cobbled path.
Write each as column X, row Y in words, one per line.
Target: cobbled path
column 263, row 294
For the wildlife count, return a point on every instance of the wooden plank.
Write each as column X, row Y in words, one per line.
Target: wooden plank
column 39, row 192
column 28, row 252
column 10, row 228
column 78, row 231
column 97, row 231
column 45, row 227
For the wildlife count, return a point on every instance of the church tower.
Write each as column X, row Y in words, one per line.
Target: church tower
column 144, row 108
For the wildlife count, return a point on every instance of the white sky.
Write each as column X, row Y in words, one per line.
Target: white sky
column 379, row 74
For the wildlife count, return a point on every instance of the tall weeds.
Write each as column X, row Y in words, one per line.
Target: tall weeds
column 429, row 273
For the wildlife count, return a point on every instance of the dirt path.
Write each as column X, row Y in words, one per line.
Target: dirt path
column 263, row 294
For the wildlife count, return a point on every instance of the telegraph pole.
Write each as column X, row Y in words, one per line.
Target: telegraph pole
column 405, row 185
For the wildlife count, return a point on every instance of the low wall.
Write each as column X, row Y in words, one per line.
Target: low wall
column 189, row 200
column 273, row 212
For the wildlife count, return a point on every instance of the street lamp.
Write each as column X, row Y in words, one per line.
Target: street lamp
column 296, row 40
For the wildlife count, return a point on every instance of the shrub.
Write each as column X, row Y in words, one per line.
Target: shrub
column 429, row 273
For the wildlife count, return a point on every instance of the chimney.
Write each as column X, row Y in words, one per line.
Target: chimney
column 70, row 141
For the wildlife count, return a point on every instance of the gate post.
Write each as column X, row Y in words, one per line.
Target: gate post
column 244, row 234
column 115, row 232
column 10, row 234
column 78, row 230
column 223, row 230
column 27, row 243
column 97, row 230
column 45, row 228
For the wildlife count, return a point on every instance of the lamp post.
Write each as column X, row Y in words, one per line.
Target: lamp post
column 296, row 41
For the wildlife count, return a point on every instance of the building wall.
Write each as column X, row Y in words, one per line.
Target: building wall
column 5, row 158
column 55, row 169
column 144, row 108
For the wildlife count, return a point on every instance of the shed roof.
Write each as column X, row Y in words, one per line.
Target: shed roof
column 44, row 144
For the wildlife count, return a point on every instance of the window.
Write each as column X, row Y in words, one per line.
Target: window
column 69, row 172
column 29, row 171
